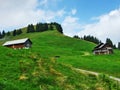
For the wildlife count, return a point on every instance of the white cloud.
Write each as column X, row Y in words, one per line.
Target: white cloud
column 48, row 3
column 50, row 16
column 74, row 11
column 108, row 26
column 44, row 2
column 19, row 13
column 71, row 25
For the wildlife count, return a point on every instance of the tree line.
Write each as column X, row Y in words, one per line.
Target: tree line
column 89, row 38
column 13, row 33
column 41, row 27
column 2, row 34
column 97, row 41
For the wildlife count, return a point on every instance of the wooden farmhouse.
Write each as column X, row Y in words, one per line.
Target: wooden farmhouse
column 18, row 44
column 103, row 49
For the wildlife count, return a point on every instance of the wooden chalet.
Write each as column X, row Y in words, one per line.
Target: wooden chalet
column 103, row 49
column 18, row 44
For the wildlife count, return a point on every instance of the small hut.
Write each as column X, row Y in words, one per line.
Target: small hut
column 18, row 44
column 103, row 49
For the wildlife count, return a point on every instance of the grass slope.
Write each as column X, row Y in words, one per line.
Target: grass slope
column 27, row 70
column 73, row 51
column 32, row 68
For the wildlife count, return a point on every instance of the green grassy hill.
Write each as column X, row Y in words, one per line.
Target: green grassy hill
column 49, row 64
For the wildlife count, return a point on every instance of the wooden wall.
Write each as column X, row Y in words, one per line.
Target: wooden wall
column 16, row 46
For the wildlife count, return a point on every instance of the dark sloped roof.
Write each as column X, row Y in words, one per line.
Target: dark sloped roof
column 101, row 45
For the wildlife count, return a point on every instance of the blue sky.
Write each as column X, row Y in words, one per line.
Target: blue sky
column 100, row 18
column 86, row 9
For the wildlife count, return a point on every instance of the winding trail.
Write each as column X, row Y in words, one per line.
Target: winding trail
column 96, row 74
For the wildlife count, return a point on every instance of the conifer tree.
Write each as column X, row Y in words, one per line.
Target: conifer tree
column 19, row 31
column 114, row 46
column 38, row 28
column 51, row 27
column 91, row 39
column 0, row 35
column 45, row 26
column 14, row 33
column 8, row 33
column 30, row 28
column 3, row 33
column 119, row 45
column 76, row 36
column 109, row 42
column 58, row 27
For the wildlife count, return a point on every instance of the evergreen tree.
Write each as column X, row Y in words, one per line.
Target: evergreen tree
column 91, row 39
column 119, row 45
column 45, row 27
column 30, row 28
column 14, row 33
column 51, row 27
column 58, row 27
column 0, row 35
column 114, row 46
column 109, row 42
column 19, row 31
column 38, row 27
column 8, row 33
column 41, row 27
column 3, row 33
column 76, row 36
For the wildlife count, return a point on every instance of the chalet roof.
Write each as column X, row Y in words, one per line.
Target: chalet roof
column 15, row 41
column 101, row 45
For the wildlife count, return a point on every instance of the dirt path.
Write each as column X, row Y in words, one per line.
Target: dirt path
column 95, row 73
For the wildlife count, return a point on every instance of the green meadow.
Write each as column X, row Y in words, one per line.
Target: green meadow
column 49, row 63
